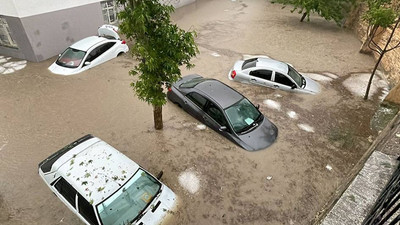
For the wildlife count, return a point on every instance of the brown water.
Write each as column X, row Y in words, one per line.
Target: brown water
column 41, row 112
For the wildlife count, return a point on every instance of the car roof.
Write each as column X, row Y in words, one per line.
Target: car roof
column 273, row 64
column 86, row 43
column 224, row 95
column 98, row 171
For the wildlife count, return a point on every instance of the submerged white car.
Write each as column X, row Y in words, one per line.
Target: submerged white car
column 272, row 73
column 104, row 187
column 90, row 52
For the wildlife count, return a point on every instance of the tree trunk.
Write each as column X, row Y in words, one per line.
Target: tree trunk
column 380, row 58
column 372, row 76
column 157, row 112
column 303, row 17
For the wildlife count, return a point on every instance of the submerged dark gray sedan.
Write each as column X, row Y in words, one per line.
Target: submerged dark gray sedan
column 224, row 110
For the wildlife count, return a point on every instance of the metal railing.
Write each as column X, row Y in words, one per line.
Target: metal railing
column 386, row 209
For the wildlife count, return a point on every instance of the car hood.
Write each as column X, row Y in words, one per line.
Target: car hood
column 54, row 68
column 261, row 137
column 160, row 207
column 311, row 86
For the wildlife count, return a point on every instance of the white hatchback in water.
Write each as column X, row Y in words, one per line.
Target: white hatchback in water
column 90, row 52
column 104, row 187
column 272, row 73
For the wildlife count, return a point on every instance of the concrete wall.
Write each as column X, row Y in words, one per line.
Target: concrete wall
column 25, row 8
column 67, row 26
column 38, row 39
column 24, row 50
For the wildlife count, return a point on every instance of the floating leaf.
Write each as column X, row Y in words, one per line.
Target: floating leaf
column 87, row 175
column 72, row 162
column 68, row 174
column 100, row 189
column 84, row 182
column 91, row 201
column 81, row 164
column 90, row 161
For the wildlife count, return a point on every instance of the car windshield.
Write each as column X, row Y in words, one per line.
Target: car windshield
column 242, row 115
column 296, row 76
column 193, row 82
column 71, row 58
column 127, row 204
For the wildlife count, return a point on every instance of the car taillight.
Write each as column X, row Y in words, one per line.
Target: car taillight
column 123, row 42
column 169, row 89
column 233, row 74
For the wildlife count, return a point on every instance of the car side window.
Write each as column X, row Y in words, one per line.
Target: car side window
column 263, row 74
column 282, row 79
column 214, row 112
column 66, row 190
column 197, row 99
column 99, row 50
column 86, row 210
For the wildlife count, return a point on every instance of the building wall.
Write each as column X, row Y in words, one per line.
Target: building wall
column 67, row 26
column 25, row 8
column 38, row 39
column 24, row 50
column 44, row 28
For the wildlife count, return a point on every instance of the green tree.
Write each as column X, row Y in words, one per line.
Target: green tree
column 380, row 16
column 329, row 9
column 160, row 48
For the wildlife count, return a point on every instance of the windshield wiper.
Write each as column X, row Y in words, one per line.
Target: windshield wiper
column 140, row 214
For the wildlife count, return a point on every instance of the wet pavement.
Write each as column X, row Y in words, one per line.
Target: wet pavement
column 216, row 181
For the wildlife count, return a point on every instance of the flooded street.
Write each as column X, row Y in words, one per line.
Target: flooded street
column 321, row 137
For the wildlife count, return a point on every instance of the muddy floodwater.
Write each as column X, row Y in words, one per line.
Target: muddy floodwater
column 320, row 139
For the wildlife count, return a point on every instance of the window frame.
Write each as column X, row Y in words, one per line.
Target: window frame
column 194, row 101
column 210, row 104
column 9, row 42
column 88, row 219
column 105, row 10
column 261, row 75
column 289, row 79
column 61, row 179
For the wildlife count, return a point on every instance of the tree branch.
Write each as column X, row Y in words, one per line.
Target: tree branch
column 396, row 46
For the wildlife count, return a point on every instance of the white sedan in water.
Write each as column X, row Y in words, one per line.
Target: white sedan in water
column 90, row 52
column 272, row 73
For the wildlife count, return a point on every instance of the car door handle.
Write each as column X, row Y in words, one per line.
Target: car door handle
column 253, row 79
column 185, row 102
column 276, row 86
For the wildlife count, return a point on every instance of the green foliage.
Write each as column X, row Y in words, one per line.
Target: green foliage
column 380, row 13
column 159, row 46
column 329, row 9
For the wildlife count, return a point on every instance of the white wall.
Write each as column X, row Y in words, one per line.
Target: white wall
column 25, row 8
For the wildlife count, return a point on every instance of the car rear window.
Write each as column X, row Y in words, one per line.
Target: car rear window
column 249, row 63
column 193, row 82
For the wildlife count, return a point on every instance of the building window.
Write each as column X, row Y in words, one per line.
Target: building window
column 5, row 36
column 109, row 10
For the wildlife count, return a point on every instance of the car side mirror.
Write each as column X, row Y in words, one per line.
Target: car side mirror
column 87, row 63
column 159, row 175
column 294, row 86
column 258, row 106
column 223, row 128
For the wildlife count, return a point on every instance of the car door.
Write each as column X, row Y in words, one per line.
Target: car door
column 261, row 77
column 194, row 105
column 74, row 201
column 100, row 54
column 283, row 82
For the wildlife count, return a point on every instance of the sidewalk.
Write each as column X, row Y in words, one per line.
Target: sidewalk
column 357, row 199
